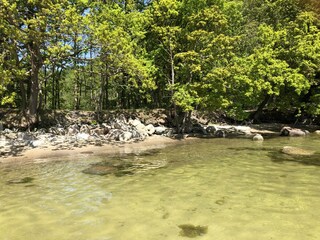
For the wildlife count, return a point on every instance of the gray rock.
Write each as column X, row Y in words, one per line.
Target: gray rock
column 136, row 135
column 160, row 130
column 98, row 131
column 135, row 122
column 119, row 123
column 198, row 128
column 150, row 129
column 11, row 135
column 258, row 137
column 37, row 143
column 25, row 136
column 211, row 129
column 220, row 133
column 83, row 136
column 7, row 130
column 73, row 129
column 85, row 129
column 292, row 132
column 57, row 130
column 142, row 130
column 169, row 133
column 106, row 128
column 3, row 141
column 114, row 134
column 125, row 136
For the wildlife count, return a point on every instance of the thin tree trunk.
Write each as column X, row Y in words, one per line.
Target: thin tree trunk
column 255, row 116
column 106, row 82
column 53, row 93
column 101, row 91
column 36, row 64
column 45, row 86
column 58, row 89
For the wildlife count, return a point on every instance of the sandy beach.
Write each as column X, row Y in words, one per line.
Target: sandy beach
column 48, row 154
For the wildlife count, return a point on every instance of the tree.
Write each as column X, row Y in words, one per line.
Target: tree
column 33, row 26
column 123, row 64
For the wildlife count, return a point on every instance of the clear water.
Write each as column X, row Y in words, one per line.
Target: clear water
column 239, row 189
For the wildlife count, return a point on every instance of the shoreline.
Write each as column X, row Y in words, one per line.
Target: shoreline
column 38, row 155
column 52, row 153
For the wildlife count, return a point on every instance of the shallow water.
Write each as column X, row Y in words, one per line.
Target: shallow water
column 237, row 188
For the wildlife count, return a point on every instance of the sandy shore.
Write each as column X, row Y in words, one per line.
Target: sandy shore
column 48, row 154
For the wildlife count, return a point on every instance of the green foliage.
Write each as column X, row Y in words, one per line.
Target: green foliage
column 233, row 55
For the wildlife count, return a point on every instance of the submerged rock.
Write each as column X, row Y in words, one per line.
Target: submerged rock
column 106, row 168
column 296, row 151
column 100, row 170
column 20, row 180
column 191, row 231
column 126, row 165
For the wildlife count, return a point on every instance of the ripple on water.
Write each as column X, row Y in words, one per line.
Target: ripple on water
column 232, row 186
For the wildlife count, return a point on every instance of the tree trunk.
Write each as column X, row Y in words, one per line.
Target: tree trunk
column 106, row 88
column 53, row 92
column 34, row 94
column 255, row 116
column 101, row 91
column 36, row 64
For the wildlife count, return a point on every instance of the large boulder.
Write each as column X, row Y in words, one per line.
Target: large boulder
column 292, row 132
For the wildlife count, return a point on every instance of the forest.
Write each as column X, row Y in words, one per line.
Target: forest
column 235, row 56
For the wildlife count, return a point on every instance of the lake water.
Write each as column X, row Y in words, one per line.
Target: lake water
column 238, row 189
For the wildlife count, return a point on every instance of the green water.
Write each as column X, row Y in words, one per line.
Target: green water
column 235, row 188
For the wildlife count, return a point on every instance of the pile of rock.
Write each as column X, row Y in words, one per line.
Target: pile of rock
column 215, row 130
column 78, row 129
column 13, row 142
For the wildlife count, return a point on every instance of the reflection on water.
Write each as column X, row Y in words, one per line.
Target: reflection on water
column 208, row 189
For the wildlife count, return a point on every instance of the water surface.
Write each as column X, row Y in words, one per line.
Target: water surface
column 237, row 188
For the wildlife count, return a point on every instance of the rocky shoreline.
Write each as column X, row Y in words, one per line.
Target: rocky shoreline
column 121, row 129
